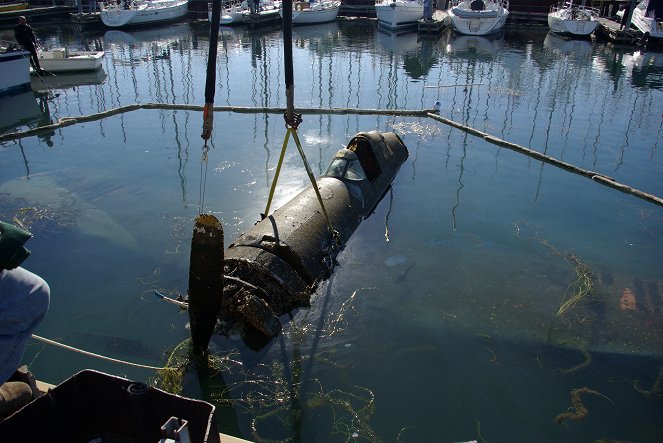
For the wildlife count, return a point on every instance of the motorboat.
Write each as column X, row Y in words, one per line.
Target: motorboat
column 478, row 17
column 62, row 60
column 399, row 14
column 574, row 20
column 15, row 68
column 139, row 12
column 311, row 13
column 648, row 18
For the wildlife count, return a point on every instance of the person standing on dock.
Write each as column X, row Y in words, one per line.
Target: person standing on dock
column 26, row 38
column 428, row 10
column 625, row 17
column 24, row 301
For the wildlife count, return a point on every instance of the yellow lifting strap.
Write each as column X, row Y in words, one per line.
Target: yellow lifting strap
column 293, row 131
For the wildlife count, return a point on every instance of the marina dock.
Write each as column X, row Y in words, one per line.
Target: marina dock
column 612, row 31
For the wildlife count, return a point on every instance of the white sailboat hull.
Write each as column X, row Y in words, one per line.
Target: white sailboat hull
column 467, row 19
column 320, row 12
column 116, row 15
column 572, row 20
column 644, row 24
column 399, row 14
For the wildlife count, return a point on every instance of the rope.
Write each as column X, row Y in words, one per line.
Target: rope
column 293, row 120
column 92, row 354
column 210, row 90
column 202, row 186
column 599, row 178
column 595, row 176
column 69, row 121
column 276, row 174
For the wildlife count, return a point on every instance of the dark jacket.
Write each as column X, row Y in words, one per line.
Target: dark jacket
column 12, row 251
column 24, row 35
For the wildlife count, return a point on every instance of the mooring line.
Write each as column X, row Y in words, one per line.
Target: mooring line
column 68, row 121
column 92, row 354
column 595, row 176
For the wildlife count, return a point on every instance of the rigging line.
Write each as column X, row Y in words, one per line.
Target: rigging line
column 332, row 231
column 92, row 354
column 202, row 187
column 276, row 174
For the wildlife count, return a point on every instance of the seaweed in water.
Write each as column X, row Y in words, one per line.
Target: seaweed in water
column 586, row 362
column 579, row 410
column 656, row 388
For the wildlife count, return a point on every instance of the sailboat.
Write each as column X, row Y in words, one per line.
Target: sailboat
column 139, row 12
column 310, row 13
column 478, row 17
column 399, row 14
column 575, row 20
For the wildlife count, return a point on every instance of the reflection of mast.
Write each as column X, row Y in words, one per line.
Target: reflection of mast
column 25, row 159
column 598, row 128
column 117, row 91
column 658, row 137
column 460, row 181
column 547, row 138
column 182, row 159
column 624, row 145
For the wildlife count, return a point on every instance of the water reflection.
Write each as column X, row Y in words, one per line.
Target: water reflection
column 648, row 70
column 483, row 245
column 68, row 80
column 567, row 46
column 24, row 111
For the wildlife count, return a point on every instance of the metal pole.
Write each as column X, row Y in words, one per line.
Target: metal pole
column 287, row 54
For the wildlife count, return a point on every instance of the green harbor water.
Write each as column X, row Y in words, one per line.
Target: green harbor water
column 449, row 317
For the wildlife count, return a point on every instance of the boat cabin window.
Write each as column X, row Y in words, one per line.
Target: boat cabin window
column 364, row 151
column 477, row 5
column 345, row 164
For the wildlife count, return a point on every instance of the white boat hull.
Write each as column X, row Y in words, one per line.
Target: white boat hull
column 644, row 24
column 313, row 13
column 61, row 60
column 144, row 12
column 234, row 15
column 15, row 68
column 572, row 20
column 488, row 20
column 399, row 14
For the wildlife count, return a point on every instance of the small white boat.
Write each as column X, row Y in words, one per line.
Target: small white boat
column 575, row 20
column 399, row 14
column 62, row 60
column 138, row 12
column 478, row 17
column 648, row 18
column 305, row 13
column 15, row 68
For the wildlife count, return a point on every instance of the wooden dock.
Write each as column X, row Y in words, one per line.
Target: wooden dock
column 86, row 18
column 611, row 30
column 437, row 24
